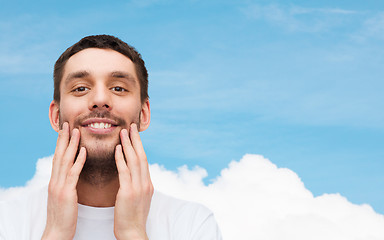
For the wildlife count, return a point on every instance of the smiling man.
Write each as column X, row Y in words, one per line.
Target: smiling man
column 100, row 186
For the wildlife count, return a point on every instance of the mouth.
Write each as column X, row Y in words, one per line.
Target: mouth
column 99, row 125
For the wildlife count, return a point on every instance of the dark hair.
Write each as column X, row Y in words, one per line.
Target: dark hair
column 103, row 42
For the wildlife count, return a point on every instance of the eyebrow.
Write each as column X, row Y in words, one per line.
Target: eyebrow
column 74, row 75
column 123, row 75
column 115, row 74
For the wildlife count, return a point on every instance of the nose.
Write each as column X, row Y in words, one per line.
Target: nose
column 100, row 99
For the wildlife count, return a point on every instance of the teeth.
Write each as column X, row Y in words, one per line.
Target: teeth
column 100, row 125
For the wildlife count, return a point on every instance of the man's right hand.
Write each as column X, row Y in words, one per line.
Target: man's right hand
column 62, row 195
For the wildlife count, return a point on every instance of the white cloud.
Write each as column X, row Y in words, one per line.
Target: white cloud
column 298, row 19
column 254, row 199
column 23, row 47
column 295, row 10
column 372, row 28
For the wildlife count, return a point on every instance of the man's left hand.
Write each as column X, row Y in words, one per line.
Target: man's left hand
column 134, row 196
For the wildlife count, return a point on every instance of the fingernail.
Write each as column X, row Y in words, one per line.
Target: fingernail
column 133, row 126
column 82, row 150
column 124, row 132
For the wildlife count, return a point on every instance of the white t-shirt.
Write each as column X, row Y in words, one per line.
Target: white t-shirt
column 168, row 219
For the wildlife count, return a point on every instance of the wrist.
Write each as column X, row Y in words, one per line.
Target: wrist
column 55, row 235
column 131, row 235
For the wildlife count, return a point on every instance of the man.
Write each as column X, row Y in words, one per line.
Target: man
column 100, row 186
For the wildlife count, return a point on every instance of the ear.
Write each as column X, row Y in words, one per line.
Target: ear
column 54, row 115
column 145, row 116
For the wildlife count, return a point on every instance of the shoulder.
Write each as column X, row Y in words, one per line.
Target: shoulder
column 25, row 199
column 183, row 219
column 171, row 204
column 22, row 211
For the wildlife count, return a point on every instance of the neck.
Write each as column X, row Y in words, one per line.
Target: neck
column 97, row 195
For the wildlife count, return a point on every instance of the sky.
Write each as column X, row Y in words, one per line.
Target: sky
column 296, row 82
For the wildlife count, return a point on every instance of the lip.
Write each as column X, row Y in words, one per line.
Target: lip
column 86, row 125
column 99, row 120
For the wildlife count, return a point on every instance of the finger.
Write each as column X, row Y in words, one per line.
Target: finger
column 136, row 141
column 74, row 173
column 122, row 168
column 130, row 157
column 61, row 146
column 63, row 137
column 139, row 149
column 72, row 148
column 70, row 154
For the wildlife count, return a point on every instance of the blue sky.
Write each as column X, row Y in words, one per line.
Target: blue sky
column 299, row 82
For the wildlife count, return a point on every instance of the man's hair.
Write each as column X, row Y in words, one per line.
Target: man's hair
column 103, row 42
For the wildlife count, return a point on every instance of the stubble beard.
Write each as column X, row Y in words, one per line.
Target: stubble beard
column 100, row 166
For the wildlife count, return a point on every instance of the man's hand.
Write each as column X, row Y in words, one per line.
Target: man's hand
column 62, row 195
column 133, row 199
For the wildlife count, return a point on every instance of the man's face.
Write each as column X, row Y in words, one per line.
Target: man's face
column 100, row 95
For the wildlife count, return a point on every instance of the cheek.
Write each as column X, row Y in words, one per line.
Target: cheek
column 68, row 112
column 127, row 116
column 128, row 111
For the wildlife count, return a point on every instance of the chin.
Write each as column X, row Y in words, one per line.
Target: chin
column 96, row 146
column 100, row 166
column 100, row 153
column 96, row 150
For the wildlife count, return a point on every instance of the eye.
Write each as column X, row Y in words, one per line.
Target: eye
column 80, row 89
column 119, row 89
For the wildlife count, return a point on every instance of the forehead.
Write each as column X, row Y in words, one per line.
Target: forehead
column 99, row 62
